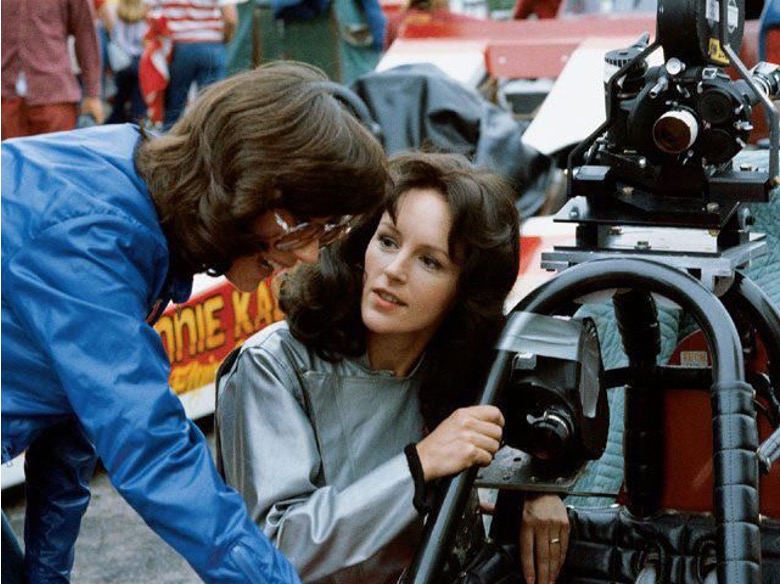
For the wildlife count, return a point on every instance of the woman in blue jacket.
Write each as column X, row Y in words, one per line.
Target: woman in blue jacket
column 101, row 228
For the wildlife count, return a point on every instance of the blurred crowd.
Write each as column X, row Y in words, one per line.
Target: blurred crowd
column 71, row 63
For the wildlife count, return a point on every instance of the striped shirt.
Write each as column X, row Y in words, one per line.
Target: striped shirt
column 192, row 21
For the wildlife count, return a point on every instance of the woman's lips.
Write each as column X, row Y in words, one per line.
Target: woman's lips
column 386, row 298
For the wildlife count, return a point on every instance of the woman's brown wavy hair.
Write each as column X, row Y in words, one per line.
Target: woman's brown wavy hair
column 266, row 139
column 322, row 301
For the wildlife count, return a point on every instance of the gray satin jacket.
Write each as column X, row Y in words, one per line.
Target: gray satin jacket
column 316, row 450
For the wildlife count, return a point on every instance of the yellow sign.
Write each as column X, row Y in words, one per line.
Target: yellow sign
column 716, row 52
column 198, row 334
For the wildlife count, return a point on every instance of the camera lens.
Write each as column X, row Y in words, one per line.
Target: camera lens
column 715, row 106
column 675, row 131
column 718, row 146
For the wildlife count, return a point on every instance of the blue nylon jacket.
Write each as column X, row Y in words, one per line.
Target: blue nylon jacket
column 770, row 18
column 84, row 260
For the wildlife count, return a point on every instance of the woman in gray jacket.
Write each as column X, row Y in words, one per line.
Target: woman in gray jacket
column 334, row 424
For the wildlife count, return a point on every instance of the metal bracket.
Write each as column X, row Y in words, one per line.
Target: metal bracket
column 513, row 469
column 715, row 270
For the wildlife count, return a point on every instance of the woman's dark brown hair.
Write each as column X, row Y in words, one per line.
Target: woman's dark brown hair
column 266, row 139
column 322, row 302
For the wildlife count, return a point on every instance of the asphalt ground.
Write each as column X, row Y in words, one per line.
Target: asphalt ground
column 115, row 545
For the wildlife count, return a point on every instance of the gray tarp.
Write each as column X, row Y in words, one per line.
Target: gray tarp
column 419, row 106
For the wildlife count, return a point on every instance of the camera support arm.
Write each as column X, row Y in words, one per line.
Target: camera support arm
column 735, row 436
column 771, row 113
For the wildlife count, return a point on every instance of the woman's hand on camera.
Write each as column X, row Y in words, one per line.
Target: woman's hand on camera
column 470, row 436
column 544, row 537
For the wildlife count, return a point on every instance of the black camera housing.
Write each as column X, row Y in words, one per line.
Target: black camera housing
column 555, row 401
column 664, row 156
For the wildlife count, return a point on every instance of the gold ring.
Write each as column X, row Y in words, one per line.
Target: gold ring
column 555, row 540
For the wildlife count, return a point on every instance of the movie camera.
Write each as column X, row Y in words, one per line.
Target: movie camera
column 658, row 203
column 658, row 179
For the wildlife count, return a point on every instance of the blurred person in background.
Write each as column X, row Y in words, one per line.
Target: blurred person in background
column 103, row 9
column 127, row 27
column 199, row 30
column 40, row 92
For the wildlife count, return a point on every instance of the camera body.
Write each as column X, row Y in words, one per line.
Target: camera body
column 674, row 130
column 555, row 400
column 664, row 156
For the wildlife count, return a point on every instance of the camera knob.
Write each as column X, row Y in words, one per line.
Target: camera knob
column 550, row 434
column 633, row 81
column 675, row 67
column 620, row 57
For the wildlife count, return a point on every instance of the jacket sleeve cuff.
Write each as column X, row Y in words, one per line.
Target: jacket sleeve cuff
column 422, row 498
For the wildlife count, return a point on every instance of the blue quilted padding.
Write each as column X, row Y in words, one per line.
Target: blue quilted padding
column 764, row 270
column 606, row 474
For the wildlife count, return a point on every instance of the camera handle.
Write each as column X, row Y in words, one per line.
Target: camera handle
column 734, row 420
column 643, row 420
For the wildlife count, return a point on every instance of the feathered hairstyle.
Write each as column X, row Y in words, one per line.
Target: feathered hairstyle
column 266, row 139
column 322, row 301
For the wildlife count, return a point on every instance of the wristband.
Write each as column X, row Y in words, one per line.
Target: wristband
column 421, row 499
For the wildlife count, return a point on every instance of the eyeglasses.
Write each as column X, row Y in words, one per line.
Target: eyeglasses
column 301, row 235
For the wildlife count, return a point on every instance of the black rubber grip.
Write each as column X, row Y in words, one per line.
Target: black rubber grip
column 736, row 481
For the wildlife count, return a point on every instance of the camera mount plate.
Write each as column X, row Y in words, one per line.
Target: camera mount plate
column 715, row 270
column 515, row 470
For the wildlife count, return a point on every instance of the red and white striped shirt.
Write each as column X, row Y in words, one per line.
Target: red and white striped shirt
column 192, row 21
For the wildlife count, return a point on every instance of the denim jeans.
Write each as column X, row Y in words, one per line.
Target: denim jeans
column 12, row 557
column 200, row 63
column 128, row 105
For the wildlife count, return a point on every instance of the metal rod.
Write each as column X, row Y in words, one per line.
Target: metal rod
column 441, row 524
column 772, row 116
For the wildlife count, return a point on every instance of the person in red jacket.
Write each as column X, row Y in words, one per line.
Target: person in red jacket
column 40, row 91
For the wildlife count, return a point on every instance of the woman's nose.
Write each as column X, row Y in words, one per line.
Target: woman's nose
column 309, row 253
column 396, row 269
